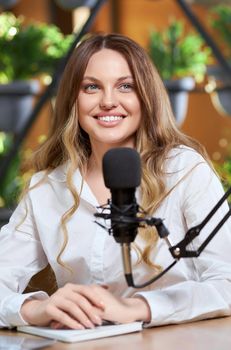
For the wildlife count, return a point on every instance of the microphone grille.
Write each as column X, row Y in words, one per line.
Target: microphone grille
column 121, row 168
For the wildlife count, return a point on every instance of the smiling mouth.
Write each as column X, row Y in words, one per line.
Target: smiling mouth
column 110, row 118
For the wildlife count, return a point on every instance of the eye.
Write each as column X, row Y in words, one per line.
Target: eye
column 126, row 87
column 90, row 87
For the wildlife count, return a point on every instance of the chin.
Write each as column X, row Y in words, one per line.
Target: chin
column 116, row 140
column 119, row 143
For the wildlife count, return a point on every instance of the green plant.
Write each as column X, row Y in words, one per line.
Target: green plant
column 11, row 185
column 27, row 51
column 15, row 179
column 177, row 54
column 224, row 171
column 220, row 19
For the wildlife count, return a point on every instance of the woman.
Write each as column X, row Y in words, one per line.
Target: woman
column 111, row 96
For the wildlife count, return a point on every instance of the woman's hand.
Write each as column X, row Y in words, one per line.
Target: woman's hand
column 79, row 307
column 73, row 306
column 123, row 310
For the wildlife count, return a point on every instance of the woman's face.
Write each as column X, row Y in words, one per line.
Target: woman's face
column 108, row 106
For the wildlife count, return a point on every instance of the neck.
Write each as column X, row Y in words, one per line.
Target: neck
column 98, row 151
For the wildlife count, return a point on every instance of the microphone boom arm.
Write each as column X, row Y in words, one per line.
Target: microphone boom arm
column 177, row 251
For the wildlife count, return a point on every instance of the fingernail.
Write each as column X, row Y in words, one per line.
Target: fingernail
column 89, row 324
column 97, row 320
column 80, row 326
column 101, row 303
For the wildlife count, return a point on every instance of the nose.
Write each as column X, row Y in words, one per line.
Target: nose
column 108, row 100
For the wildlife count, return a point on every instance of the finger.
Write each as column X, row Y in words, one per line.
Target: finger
column 75, row 311
column 89, row 292
column 62, row 317
column 56, row 325
column 94, row 314
column 77, row 306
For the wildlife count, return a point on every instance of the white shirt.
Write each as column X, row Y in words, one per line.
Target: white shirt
column 193, row 289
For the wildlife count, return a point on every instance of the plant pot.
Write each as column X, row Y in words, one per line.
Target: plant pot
column 178, row 93
column 219, row 87
column 72, row 4
column 16, row 100
column 5, row 214
column 7, row 4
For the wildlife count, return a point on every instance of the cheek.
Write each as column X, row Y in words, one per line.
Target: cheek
column 133, row 104
column 82, row 105
column 84, row 123
column 86, row 103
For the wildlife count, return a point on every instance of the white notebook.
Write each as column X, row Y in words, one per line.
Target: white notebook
column 71, row 335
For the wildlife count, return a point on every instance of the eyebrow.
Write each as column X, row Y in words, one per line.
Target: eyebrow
column 97, row 80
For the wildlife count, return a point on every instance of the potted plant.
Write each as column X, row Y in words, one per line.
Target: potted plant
column 181, row 60
column 219, row 82
column 28, row 55
column 27, row 52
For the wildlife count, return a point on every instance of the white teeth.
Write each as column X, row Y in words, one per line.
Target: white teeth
column 110, row 118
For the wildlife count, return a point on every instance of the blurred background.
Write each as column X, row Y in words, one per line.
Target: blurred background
column 189, row 41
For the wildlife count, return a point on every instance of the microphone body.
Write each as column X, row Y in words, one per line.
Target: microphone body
column 123, row 202
column 122, row 174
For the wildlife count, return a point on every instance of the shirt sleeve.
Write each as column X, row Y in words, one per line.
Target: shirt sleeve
column 208, row 294
column 21, row 257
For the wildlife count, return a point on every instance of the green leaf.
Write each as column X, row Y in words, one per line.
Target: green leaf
column 28, row 51
column 220, row 19
column 177, row 53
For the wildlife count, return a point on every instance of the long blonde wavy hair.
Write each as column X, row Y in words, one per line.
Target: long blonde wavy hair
column 157, row 134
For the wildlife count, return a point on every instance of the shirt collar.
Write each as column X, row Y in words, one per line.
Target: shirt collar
column 59, row 175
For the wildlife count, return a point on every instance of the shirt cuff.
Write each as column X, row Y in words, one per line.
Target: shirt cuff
column 159, row 305
column 11, row 306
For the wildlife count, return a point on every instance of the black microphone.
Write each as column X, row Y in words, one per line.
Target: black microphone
column 122, row 174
